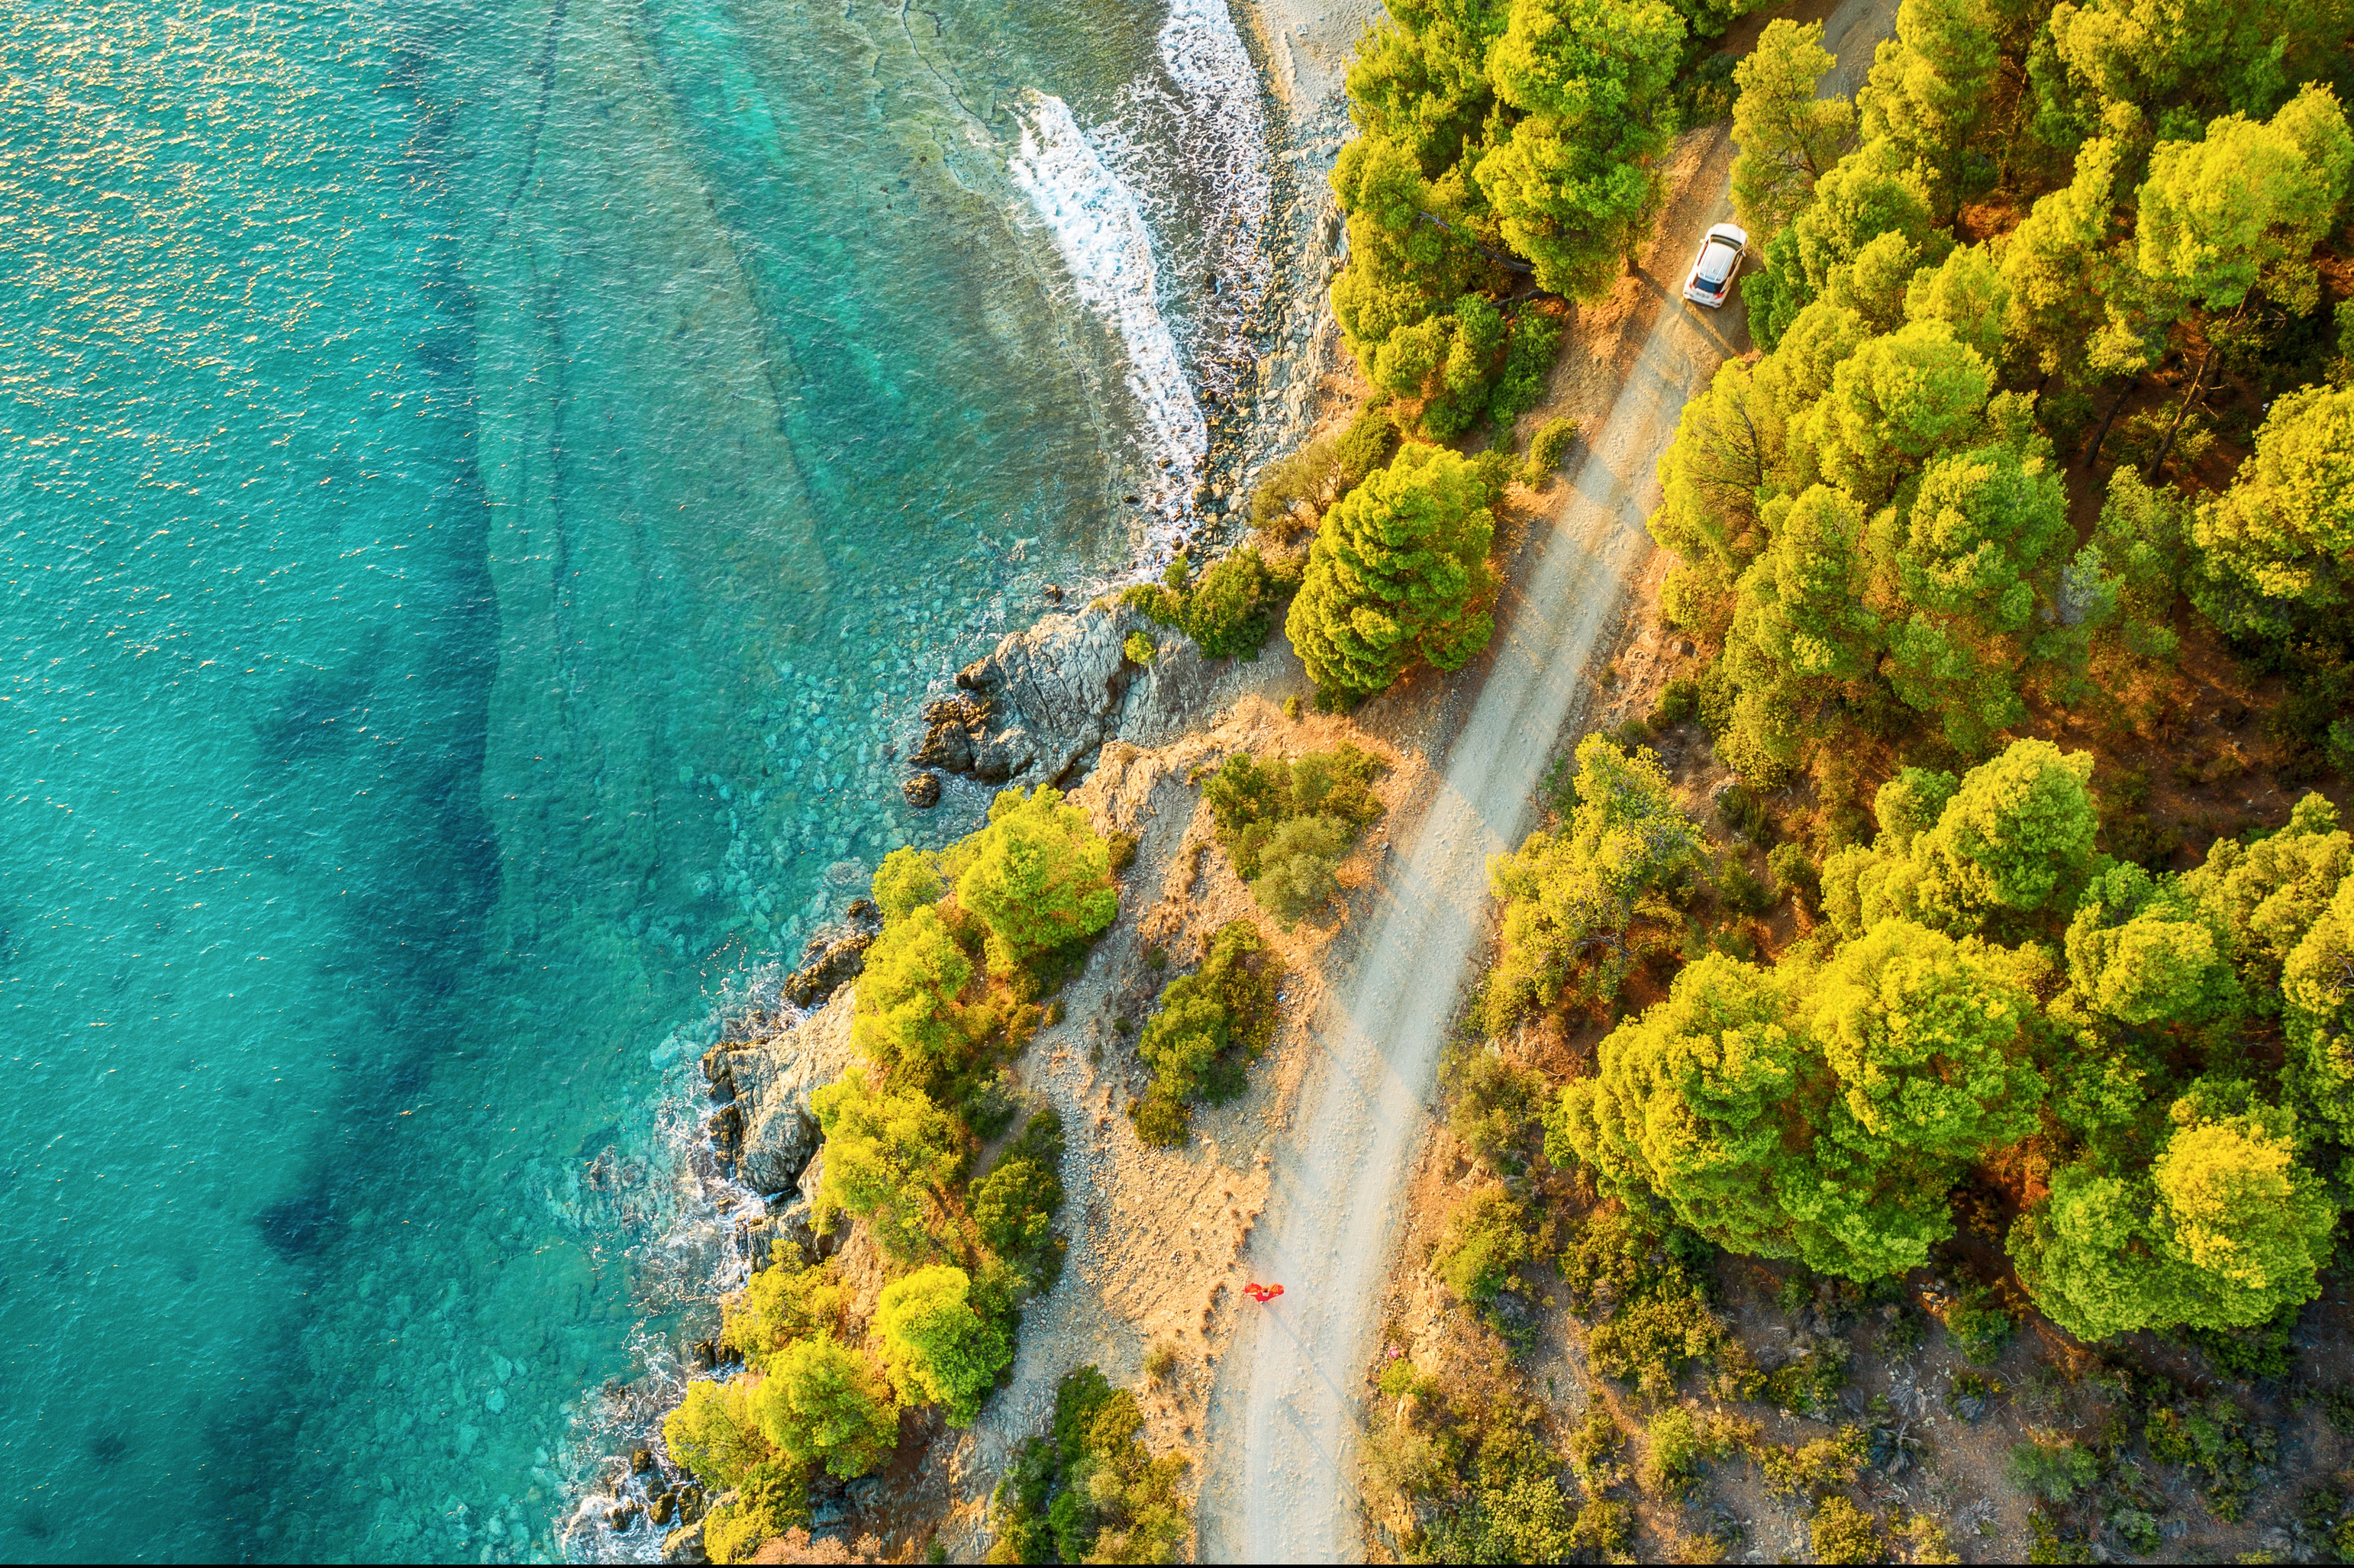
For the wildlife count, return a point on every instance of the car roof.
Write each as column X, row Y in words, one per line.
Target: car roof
column 1732, row 234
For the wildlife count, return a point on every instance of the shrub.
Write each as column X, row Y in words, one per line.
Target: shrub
column 1209, row 1026
column 1291, row 482
column 1298, row 866
column 1679, row 701
column 1014, row 1205
column 1485, row 1241
column 1795, row 875
column 2211, row 1435
column 1528, row 366
column 1546, row 449
column 1819, row 1465
column 1229, row 613
column 1495, row 1106
column 2051, row 1465
column 1742, row 890
column 1366, row 446
column 936, row 1347
column 1842, row 1532
column 1253, row 804
column 1089, row 1491
column 824, row 1403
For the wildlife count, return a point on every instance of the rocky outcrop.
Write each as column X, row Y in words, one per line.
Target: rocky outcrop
column 772, row 1081
column 828, row 963
column 1038, row 709
column 1047, row 698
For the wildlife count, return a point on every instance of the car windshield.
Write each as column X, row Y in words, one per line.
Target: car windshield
column 1716, row 263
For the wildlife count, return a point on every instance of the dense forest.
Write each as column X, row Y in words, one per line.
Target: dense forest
column 2047, row 438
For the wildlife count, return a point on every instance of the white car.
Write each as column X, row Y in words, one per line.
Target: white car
column 1716, row 266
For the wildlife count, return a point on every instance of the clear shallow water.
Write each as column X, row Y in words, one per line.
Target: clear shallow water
column 477, row 481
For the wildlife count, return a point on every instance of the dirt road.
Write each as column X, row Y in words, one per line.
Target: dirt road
column 1279, row 1486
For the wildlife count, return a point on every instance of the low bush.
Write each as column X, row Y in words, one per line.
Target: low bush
column 1089, row 1491
column 2051, row 1465
column 1795, row 874
column 1815, row 1467
column 1365, row 447
column 1682, row 1441
column 1842, row 1532
column 1229, row 612
column 1136, row 648
column 1301, row 482
column 1014, row 1205
column 1546, row 449
column 1484, row 1243
column 1494, row 1107
column 1210, row 1026
column 1652, row 1317
column 1288, row 822
column 2212, row 1436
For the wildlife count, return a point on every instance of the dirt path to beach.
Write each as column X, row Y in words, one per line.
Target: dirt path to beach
column 1280, row 1485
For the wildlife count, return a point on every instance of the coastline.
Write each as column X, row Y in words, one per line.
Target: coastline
column 1298, row 50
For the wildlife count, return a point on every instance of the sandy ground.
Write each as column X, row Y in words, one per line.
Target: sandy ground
column 1282, row 1423
column 1307, row 45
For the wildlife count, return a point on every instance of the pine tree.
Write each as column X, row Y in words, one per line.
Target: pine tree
column 2274, row 552
column 1571, row 182
column 1039, row 876
column 1788, row 137
column 1399, row 575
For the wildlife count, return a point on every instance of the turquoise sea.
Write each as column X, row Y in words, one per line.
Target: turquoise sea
column 482, row 482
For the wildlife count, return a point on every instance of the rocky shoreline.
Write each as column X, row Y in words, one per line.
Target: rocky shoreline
column 1041, row 708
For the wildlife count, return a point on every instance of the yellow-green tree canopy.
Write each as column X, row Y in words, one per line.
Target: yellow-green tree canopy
column 2268, row 895
column 2143, row 952
column 1787, row 137
column 2224, row 1230
column 1931, row 87
column 2012, row 848
column 1802, row 627
column 1573, row 896
column 1956, row 576
column 2274, row 552
column 1038, row 876
column 888, row 1156
column 1571, row 181
column 2318, row 993
column 825, row 1404
column 2242, row 206
column 1398, row 574
column 714, row 1434
column 1821, row 1115
column 936, row 1347
column 906, row 1013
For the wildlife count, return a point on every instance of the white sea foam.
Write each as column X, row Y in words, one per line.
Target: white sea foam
column 1107, row 250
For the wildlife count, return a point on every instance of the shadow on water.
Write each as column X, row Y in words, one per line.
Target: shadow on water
column 320, row 715
column 298, row 1228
